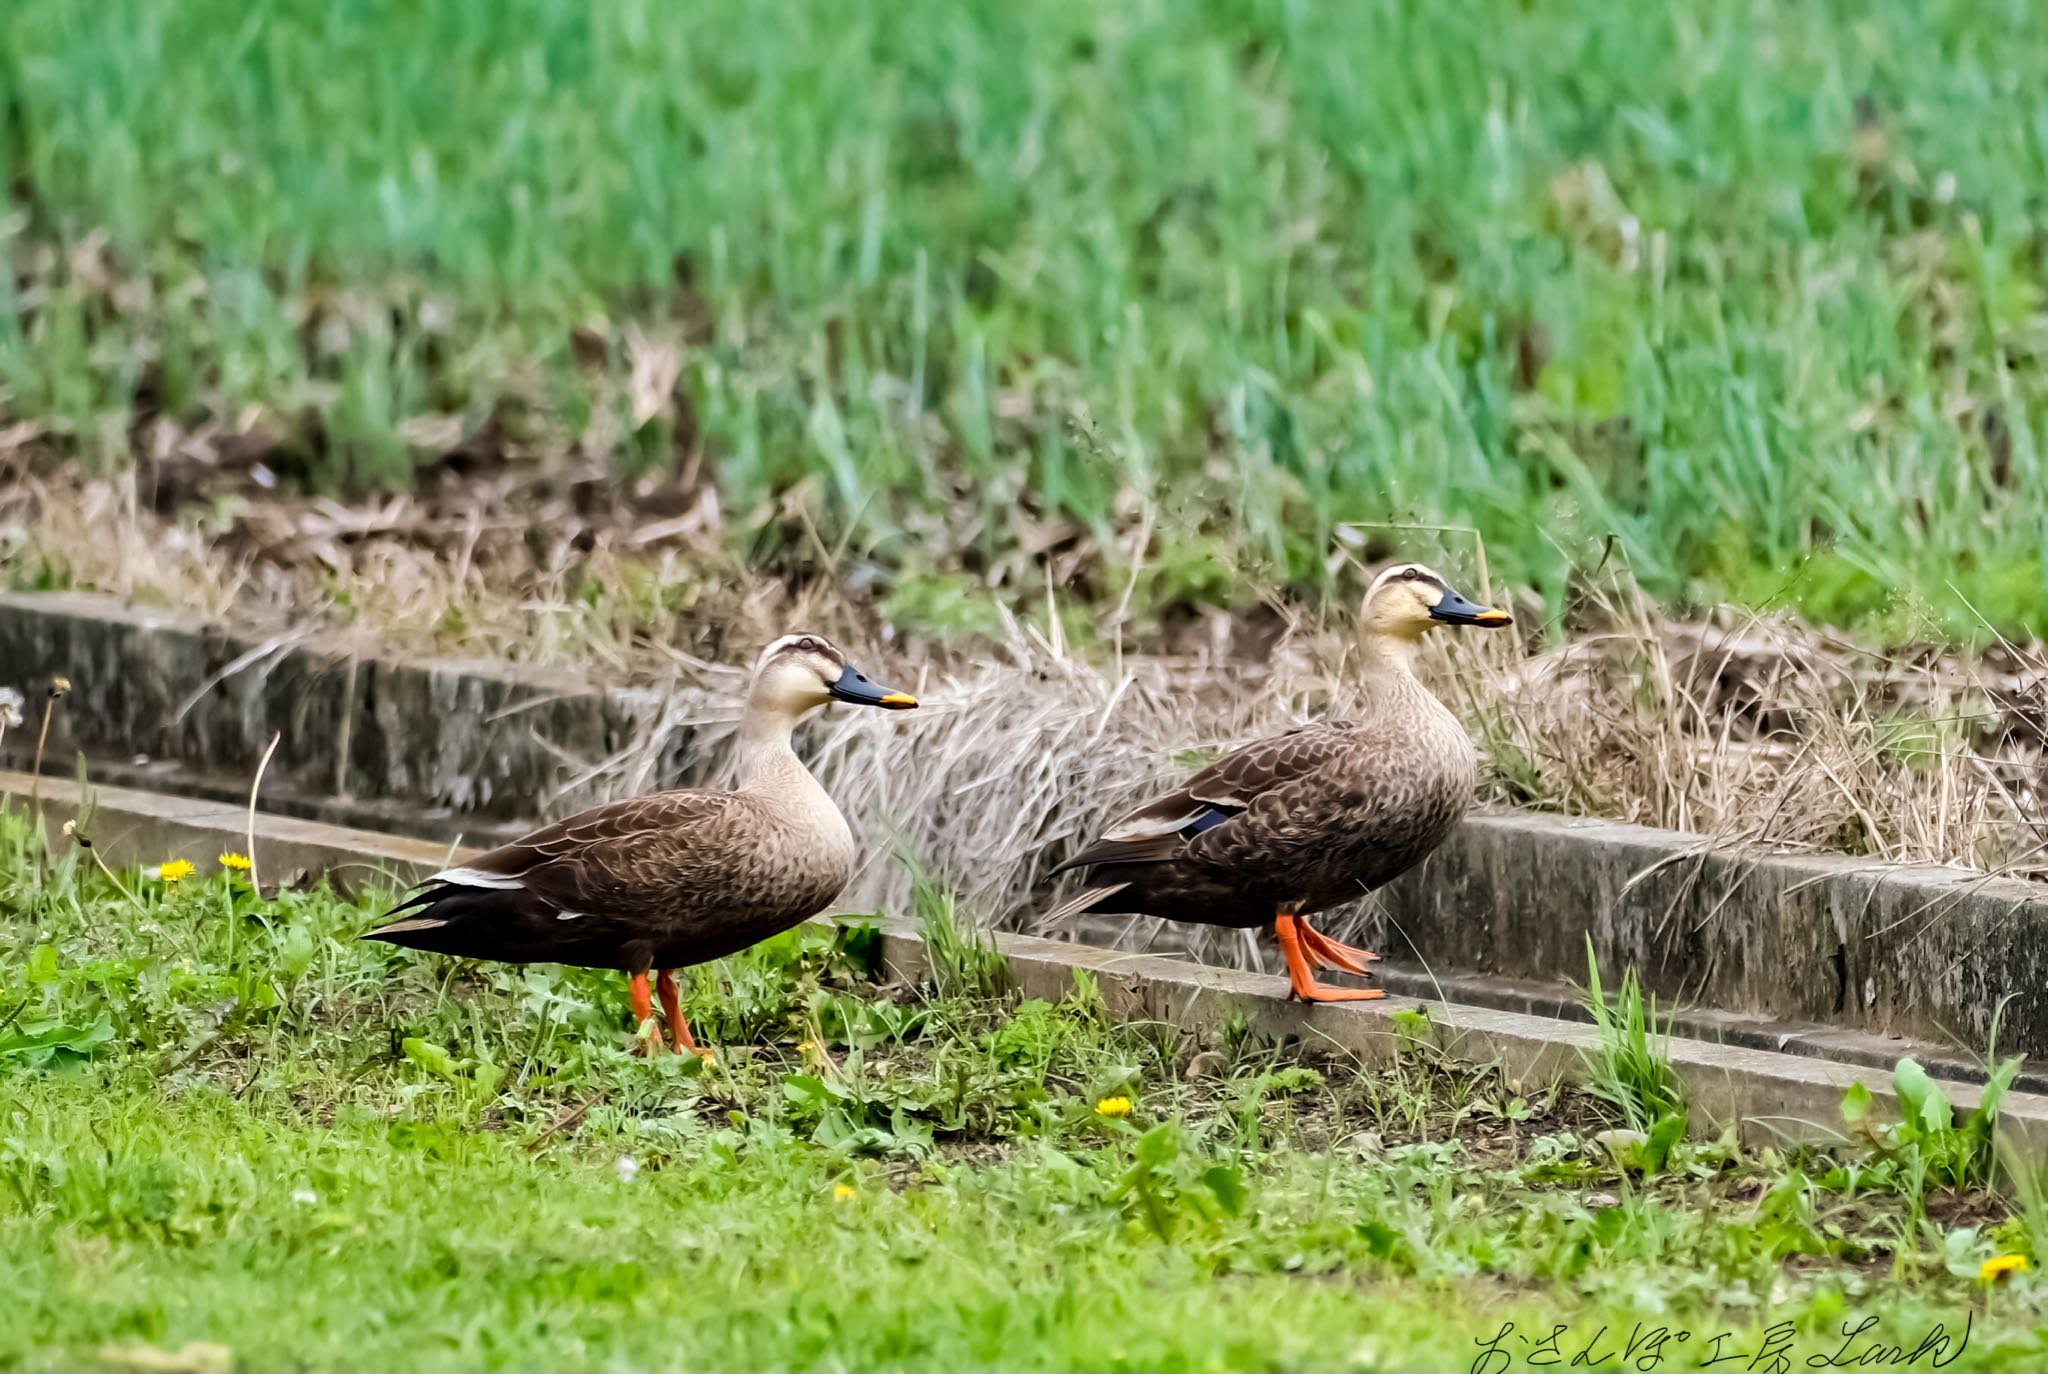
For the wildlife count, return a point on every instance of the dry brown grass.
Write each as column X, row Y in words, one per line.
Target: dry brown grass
column 1750, row 731
column 1759, row 735
column 546, row 568
column 1761, row 732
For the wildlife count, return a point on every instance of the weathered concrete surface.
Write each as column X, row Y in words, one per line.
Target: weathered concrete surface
column 490, row 740
column 139, row 828
column 170, row 777
column 1555, row 1000
column 1768, row 1096
column 1917, row 951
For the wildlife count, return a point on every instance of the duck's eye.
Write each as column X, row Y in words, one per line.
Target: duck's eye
column 1409, row 574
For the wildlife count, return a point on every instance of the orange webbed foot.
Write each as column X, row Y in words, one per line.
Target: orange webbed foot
column 1301, row 978
column 646, row 1030
column 1328, row 953
column 680, row 1039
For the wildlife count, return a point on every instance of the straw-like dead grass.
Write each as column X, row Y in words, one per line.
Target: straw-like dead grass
column 1762, row 732
column 1747, row 730
column 1759, row 735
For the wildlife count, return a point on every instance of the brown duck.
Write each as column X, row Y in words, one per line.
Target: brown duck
column 674, row 878
column 1314, row 818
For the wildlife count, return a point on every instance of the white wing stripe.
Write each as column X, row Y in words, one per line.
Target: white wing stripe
column 1153, row 826
column 470, row 877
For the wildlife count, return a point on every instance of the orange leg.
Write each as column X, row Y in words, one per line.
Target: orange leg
column 1328, row 953
column 1301, row 977
column 680, row 1039
column 643, row 1008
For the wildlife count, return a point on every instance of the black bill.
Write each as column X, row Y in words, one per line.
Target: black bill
column 853, row 685
column 1456, row 610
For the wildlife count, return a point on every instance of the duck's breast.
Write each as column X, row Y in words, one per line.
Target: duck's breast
column 790, row 862
column 1403, row 804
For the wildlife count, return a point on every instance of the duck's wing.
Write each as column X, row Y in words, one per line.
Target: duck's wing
column 1294, row 821
column 595, row 861
column 1164, row 828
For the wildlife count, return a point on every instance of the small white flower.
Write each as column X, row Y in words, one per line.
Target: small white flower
column 628, row 1167
column 305, row 1197
column 11, row 703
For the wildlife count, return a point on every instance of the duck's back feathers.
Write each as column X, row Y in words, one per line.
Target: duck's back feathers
column 626, row 849
column 1302, row 821
column 664, row 880
column 1162, row 829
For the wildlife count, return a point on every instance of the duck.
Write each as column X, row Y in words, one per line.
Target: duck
column 1304, row 821
column 655, row 883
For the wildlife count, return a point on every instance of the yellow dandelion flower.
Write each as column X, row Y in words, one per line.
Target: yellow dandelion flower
column 844, row 1192
column 175, row 870
column 807, row 1048
column 2003, row 1266
column 238, row 862
column 1113, row 1106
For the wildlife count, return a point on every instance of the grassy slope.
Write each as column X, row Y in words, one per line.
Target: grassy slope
column 1274, row 264
column 280, row 1174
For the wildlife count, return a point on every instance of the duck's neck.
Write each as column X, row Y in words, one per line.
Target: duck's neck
column 1386, row 673
column 1388, row 657
column 764, row 754
column 770, row 771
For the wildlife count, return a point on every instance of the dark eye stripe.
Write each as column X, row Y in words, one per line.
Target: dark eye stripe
column 1415, row 574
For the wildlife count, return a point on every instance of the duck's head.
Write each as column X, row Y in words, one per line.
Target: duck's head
column 1408, row 600
column 798, row 673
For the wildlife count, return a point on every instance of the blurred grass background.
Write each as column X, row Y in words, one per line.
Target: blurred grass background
column 1747, row 294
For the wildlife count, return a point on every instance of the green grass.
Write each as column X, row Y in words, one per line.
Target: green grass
column 228, row 1121
column 1751, row 287
column 1629, row 1067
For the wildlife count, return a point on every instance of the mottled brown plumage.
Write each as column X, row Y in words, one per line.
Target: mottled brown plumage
column 1314, row 818
column 672, row 879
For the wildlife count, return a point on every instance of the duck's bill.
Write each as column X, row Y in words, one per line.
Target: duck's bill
column 1456, row 610
column 853, row 685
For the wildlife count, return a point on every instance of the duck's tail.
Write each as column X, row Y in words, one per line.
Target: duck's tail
column 506, row 923
column 1087, row 899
